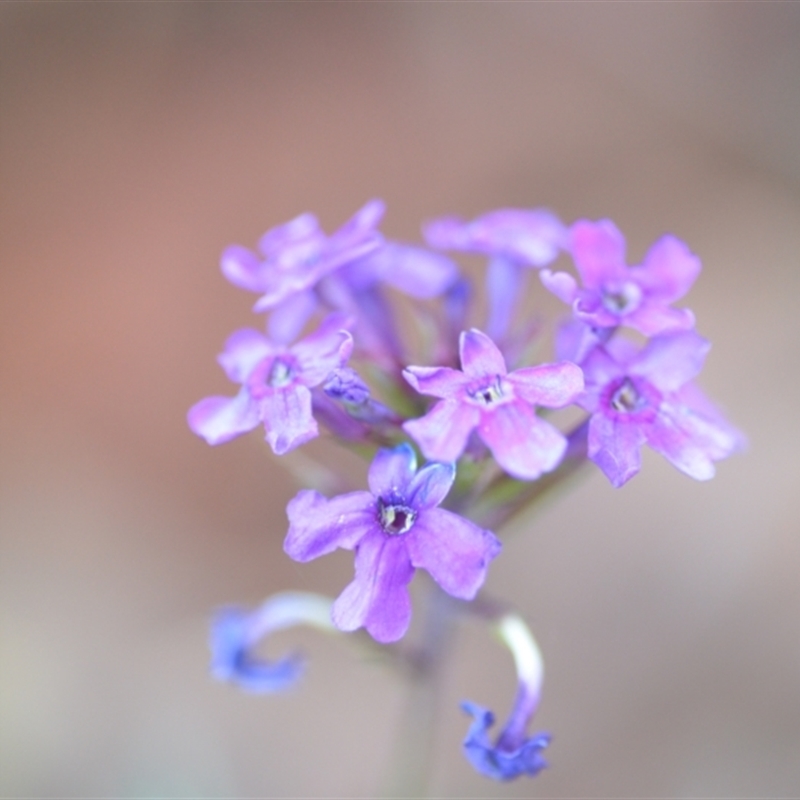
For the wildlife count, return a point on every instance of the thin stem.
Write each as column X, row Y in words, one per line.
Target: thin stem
column 414, row 742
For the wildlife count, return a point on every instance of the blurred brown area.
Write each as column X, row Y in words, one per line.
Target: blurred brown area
column 137, row 140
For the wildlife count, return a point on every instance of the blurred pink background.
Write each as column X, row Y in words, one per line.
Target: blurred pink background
column 139, row 139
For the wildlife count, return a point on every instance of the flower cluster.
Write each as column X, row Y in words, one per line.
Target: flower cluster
column 334, row 354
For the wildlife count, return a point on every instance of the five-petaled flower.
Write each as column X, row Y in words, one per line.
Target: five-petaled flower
column 276, row 386
column 395, row 528
column 498, row 403
column 646, row 397
column 614, row 294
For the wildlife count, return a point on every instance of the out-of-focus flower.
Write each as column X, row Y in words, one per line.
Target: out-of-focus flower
column 276, row 386
column 235, row 632
column 499, row 404
column 395, row 528
column 646, row 397
column 514, row 753
column 614, row 294
column 513, row 239
column 294, row 258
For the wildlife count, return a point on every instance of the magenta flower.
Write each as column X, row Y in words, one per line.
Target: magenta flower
column 614, row 294
column 276, row 386
column 646, row 397
column 294, row 258
column 498, row 404
column 395, row 528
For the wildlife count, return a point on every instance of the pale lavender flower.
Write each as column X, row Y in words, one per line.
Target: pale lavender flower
column 614, row 294
column 395, row 528
column 499, row 404
column 513, row 239
column 276, row 386
column 235, row 632
column 646, row 397
column 294, row 258
column 514, row 753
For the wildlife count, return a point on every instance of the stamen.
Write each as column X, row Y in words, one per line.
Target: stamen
column 395, row 518
column 627, row 399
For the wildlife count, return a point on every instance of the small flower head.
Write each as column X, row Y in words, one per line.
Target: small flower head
column 235, row 632
column 614, row 294
column 276, row 386
column 498, row 404
column 395, row 528
column 295, row 256
column 646, row 397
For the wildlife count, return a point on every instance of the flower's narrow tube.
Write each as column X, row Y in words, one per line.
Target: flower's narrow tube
column 235, row 632
column 514, row 753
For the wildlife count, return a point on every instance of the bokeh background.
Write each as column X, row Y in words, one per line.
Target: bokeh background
column 139, row 139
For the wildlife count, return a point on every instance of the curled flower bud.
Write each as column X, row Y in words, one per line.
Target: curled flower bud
column 514, row 753
column 235, row 632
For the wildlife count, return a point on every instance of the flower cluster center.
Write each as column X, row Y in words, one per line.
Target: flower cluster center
column 396, row 518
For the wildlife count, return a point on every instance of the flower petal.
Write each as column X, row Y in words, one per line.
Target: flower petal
column 414, row 271
column 614, row 445
column 435, row 381
column 550, row 385
column 561, row 284
column 503, row 288
column 286, row 413
column 669, row 269
column 392, row 470
column 455, row 551
column 598, row 249
column 431, row 485
column 243, row 350
column 443, row 432
column 480, row 356
column 522, row 444
column 290, row 317
column 220, row 419
column 378, row 599
column 671, row 360
column 494, row 762
column 276, row 239
column 652, row 319
column 318, row 526
column 324, row 350
column 242, row 268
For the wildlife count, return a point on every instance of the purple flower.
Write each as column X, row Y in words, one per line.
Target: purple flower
column 513, row 239
column 294, row 258
column 529, row 237
column 498, row 404
column 614, row 294
column 646, row 397
column 411, row 270
column 276, row 386
column 395, row 528
column 514, row 753
column 235, row 632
